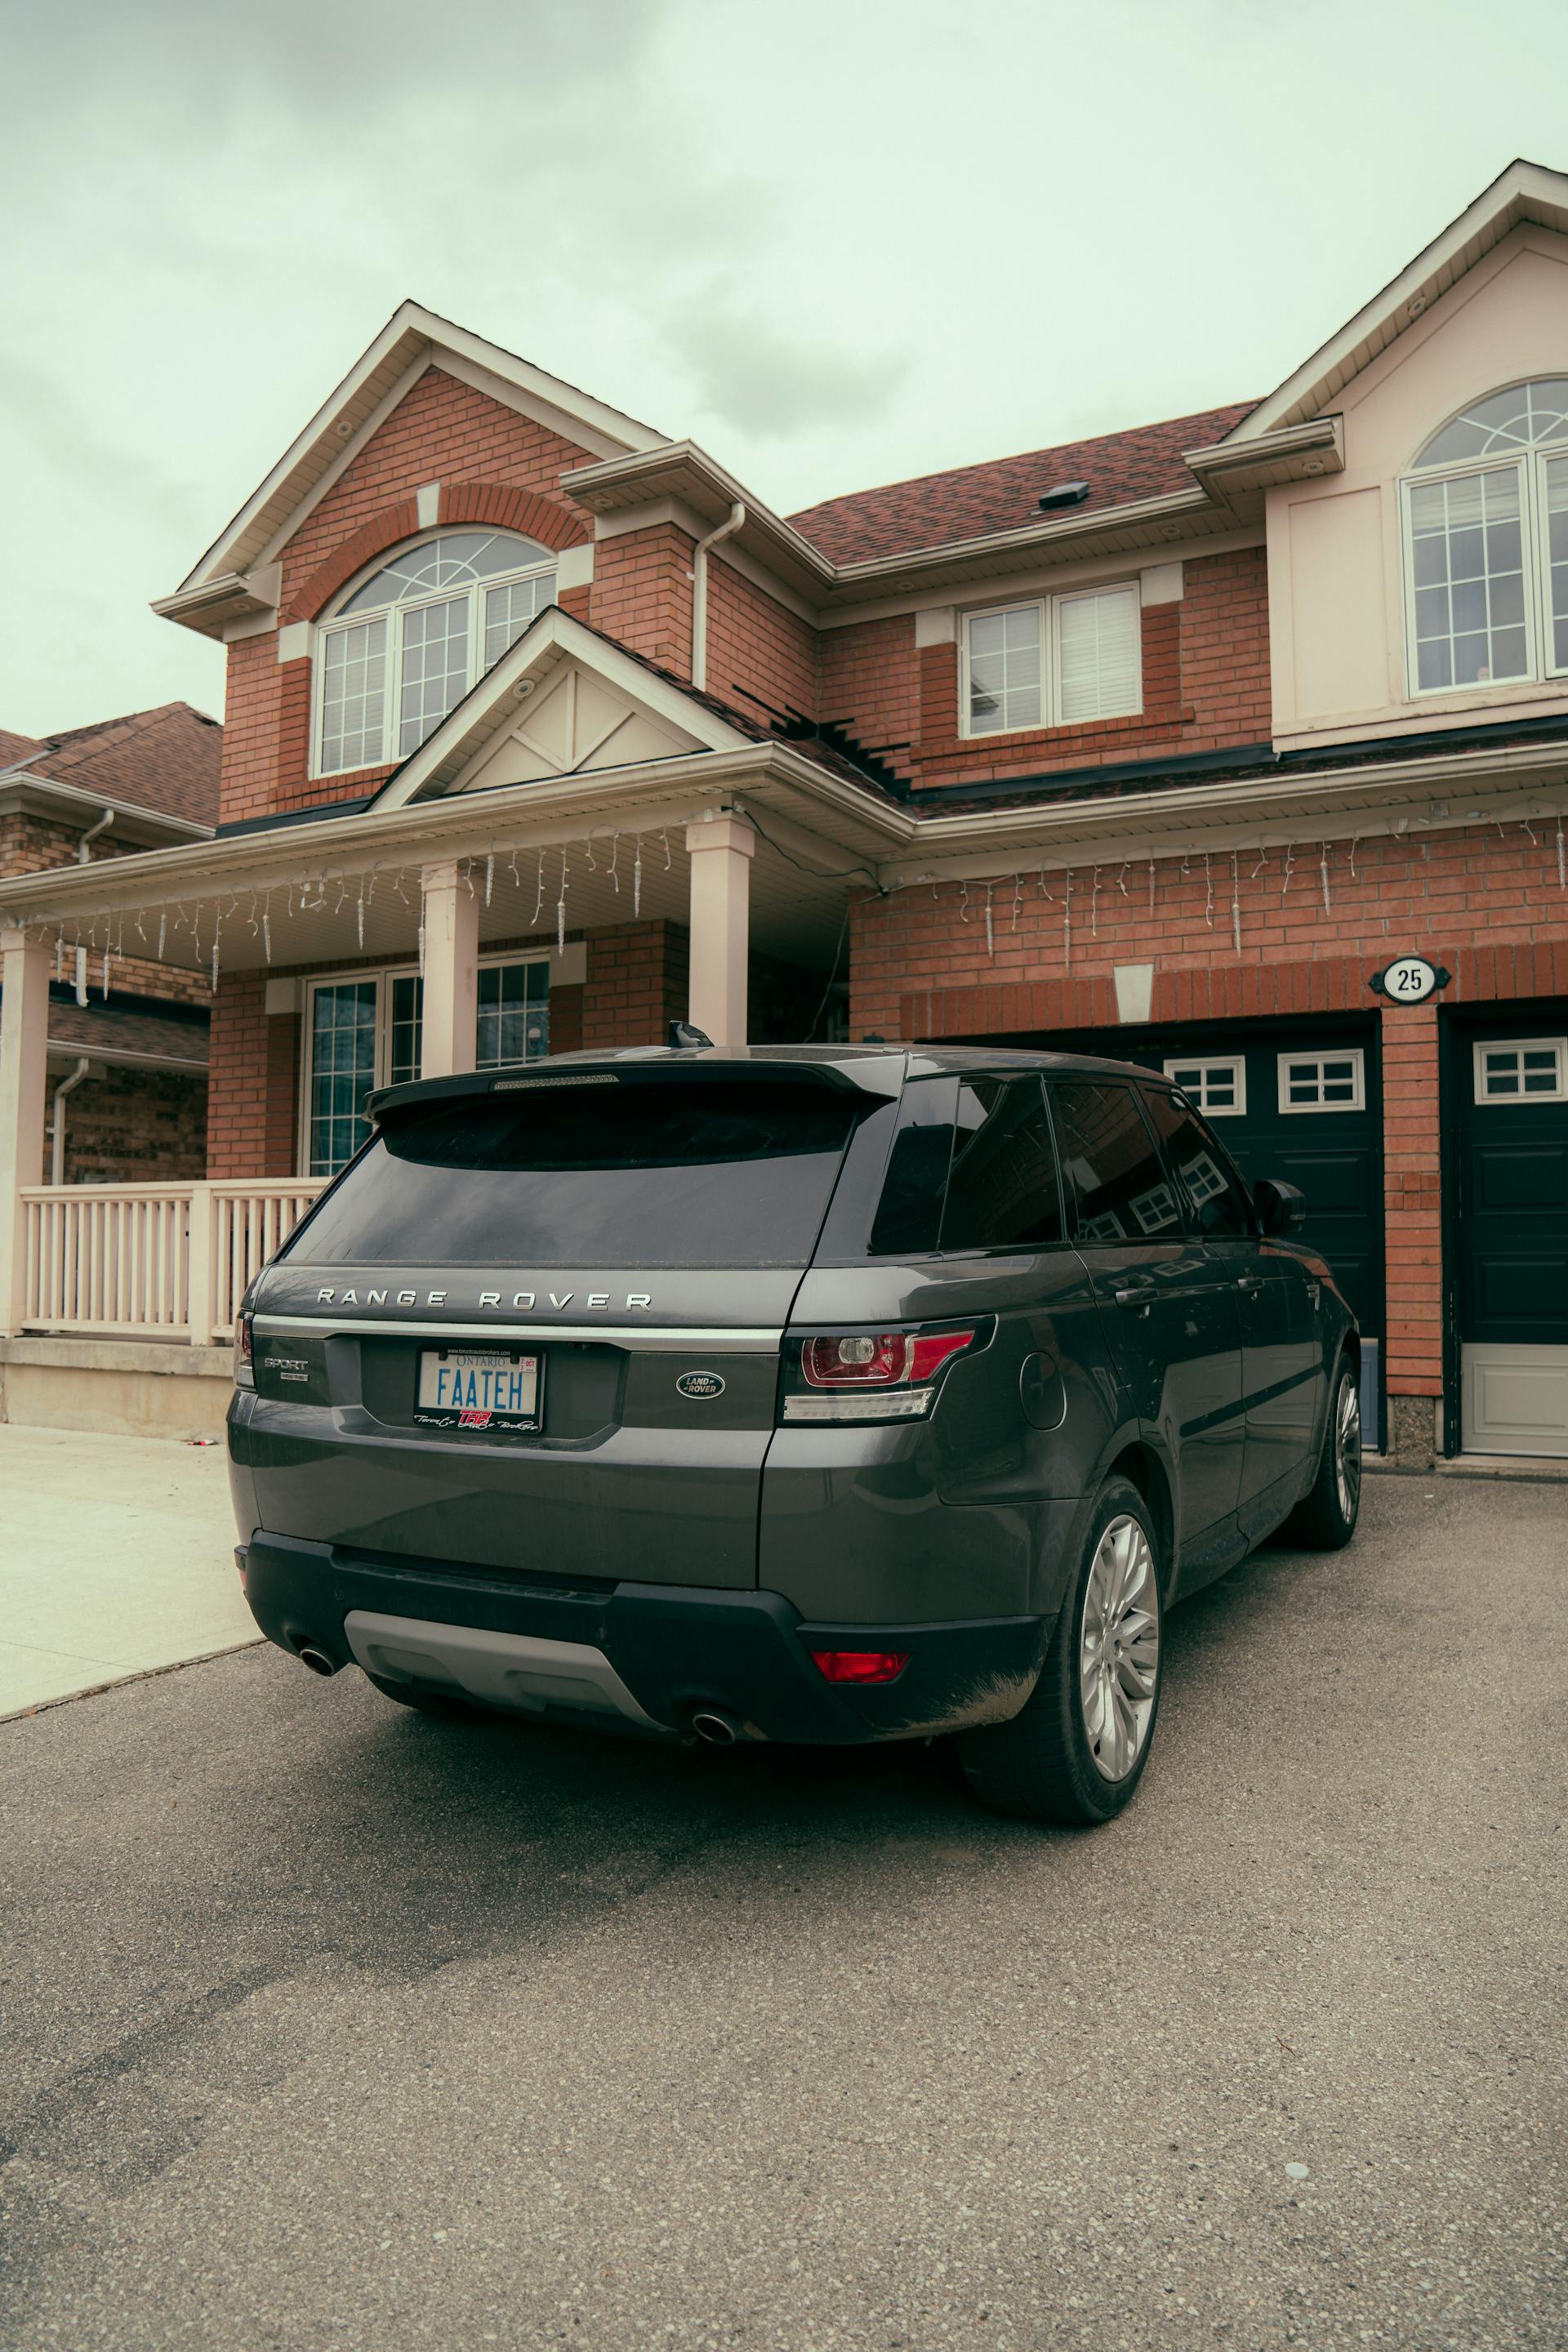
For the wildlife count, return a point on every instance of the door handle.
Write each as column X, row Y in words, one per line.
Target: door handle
column 1139, row 1300
column 1249, row 1282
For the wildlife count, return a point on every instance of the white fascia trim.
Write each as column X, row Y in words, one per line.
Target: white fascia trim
column 467, row 824
column 1214, row 817
column 424, row 337
column 555, row 632
column 1495, row 211
column 21, row 783
column 122, row 1057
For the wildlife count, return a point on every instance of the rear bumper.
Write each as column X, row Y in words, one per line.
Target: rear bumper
column 672, row 1650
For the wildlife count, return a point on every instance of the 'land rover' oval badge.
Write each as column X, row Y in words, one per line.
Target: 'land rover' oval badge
column 700, row 1385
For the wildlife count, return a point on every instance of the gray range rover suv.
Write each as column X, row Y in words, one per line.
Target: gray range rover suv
column 813, row 1394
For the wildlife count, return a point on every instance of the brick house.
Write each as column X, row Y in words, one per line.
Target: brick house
column 543, row 729
column 127, row 1043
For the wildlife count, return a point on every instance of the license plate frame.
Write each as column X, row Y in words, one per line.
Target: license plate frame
column 472, row 1377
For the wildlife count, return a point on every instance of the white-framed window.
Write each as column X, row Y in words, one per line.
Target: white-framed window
column 1333, row 1081
column 1486, row 543
column 362, row 1030
column 1056, row 661
column 1154, row 1210
column 409, row 641
column 1521, row 1069
column 1214, row 1084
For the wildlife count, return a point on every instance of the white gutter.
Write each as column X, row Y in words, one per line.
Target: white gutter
column 57, row 1160
column 699, row 592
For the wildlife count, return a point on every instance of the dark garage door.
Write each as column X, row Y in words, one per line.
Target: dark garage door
column 1301, row 1100
column 1508, row 1078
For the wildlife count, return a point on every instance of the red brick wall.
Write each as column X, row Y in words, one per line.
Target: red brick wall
column 869, row 684
column 1225, row 650
column 642, row 594
column 31, row 844
column 636, row 985
column 758, row 651
column 446, row 431
column 253, row 1086
column 135, row 1127
column 493, row 465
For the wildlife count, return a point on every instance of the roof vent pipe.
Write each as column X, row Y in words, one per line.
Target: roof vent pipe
column 699, row 594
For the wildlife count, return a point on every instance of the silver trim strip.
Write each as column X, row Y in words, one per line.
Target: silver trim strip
column 703, row 1340
column 511, row 1670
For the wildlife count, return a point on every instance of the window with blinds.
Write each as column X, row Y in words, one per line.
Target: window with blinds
column 1058, row 661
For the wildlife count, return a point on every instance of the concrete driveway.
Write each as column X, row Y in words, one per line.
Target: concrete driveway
column 116, row 1555
column 326, row 2025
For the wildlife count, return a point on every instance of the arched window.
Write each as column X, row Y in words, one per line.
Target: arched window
column 1485, row 509
column 409, row 643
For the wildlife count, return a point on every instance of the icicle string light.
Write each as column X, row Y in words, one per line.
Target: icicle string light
column 1018, row 900
column 1235, row 902
column 963, row 902
column 560, row 906
column 990, row 926
column 490, row 876
column 1066, row 921
column 636, row 878
column 1208, row 891
column 1323, row 873
column 1562, row 863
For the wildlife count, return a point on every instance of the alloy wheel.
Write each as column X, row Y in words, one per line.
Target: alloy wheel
column 1347, row 1448
column 1118, row 1655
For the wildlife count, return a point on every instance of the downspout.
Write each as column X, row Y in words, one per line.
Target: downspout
column 699, row 592
column 57, row 1154
column 82, row 859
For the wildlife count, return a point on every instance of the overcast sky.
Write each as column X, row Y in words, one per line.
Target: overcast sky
column 837, row 241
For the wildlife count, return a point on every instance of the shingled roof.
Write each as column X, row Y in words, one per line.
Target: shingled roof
column 166, row 760
column 970, row 502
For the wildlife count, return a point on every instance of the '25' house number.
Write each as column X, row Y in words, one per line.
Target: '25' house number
column 1410, row 979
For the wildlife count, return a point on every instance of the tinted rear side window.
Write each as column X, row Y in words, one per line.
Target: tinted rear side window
column 1116, row 1180
column 667, row 1171
column 1218, row 1202
column 1002, row 1189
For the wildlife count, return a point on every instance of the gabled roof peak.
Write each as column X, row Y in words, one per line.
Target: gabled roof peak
column 1525, row 192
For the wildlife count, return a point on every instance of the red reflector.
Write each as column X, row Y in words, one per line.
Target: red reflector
column 861, row 1665
column 929, row 1350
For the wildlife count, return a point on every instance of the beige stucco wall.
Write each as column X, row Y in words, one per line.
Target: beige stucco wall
column 118, row 1387
column 1336, row 561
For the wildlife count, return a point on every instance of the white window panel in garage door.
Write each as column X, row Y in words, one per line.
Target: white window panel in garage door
column 1319, row 1082
column 1215, row 1084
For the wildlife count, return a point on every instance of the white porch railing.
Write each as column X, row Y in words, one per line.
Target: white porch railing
column 151, row 1261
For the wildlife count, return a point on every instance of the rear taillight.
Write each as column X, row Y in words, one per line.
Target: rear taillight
column 861, row 1665
column 872, row 1375
column 244, row 1367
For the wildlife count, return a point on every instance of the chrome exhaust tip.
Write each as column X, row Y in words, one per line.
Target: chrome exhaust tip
column 317, row 1660
column 715, row 1728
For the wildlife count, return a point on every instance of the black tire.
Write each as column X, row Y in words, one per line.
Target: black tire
column 1325, row 1518
column 425, row 1702
column 1042, row 1765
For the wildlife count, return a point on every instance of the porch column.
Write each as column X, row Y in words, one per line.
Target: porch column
column 448, row 1033
column 721, row 849
column 24, row 1054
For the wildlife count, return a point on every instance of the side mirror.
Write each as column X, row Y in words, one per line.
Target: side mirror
column 1281, row 1208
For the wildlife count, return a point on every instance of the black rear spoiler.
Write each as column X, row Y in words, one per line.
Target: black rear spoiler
column 875, row 1074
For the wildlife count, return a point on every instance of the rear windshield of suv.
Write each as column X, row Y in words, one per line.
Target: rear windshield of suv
column 594, row 1171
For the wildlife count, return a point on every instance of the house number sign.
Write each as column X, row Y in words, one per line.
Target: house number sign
column 1410, row 979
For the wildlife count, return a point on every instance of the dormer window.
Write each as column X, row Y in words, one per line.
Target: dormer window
column 1486, row 527
column 408, row 642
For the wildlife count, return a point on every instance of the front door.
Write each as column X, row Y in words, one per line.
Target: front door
column 1510, row 1081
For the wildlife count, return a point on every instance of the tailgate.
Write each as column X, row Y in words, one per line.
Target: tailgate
column 645, row 1463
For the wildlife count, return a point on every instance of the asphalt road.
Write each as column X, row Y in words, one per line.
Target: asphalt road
column 325, row 2025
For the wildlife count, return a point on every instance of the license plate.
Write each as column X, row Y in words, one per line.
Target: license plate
column 477, row 1388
